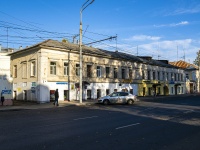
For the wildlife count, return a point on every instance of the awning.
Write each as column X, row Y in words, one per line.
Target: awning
column 156, row 84
column 83, row 84
column 86, row 83
column 178, row 84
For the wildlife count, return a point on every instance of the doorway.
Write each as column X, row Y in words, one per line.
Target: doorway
column 25, row 95
column 98, row 93
column 66, row 95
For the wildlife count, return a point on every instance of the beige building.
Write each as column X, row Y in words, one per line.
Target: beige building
column 39, row 70
column 192, row 78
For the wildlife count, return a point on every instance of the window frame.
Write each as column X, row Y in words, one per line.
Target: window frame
column 33, row 69
column 123, row 73
column 53, row 68
column 98, row 69
column 107, row 72
column 66, row 68
column 24, row 70
column 77, row 69
column 15, row 71
column 89, row 71
column 115, row 74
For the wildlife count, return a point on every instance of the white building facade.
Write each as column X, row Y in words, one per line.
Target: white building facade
column 5, row 79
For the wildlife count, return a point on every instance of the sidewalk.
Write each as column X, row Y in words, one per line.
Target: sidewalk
column 25, row 105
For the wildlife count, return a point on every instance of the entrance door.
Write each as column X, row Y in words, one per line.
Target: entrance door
column 191, row 88
column 149, row 91
column 98, row 93
column 89, row 93
column 25, row 95
column 144, row 91
column 15, row 95
column 66, row 95
column 166, row 90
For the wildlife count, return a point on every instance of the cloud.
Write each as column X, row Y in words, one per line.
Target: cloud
column 181, row 11
column 143, row 38
column 182, row 23
column 168, row 49
column 179, row 24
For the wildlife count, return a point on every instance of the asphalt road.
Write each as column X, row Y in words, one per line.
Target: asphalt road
column 160, row 124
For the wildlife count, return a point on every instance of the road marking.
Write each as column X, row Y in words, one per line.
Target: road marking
column 189, row 111
column 86, row 118
column 127, row 126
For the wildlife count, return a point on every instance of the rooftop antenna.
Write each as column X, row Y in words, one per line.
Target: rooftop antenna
column 137, row 50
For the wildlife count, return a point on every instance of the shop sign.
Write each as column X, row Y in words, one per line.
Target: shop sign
column 6, row 91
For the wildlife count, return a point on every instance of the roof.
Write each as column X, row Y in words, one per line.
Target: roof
column 67, row 46
column 183, row 64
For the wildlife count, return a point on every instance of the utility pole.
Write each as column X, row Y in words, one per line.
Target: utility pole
column 7, row 38
column 84, row 6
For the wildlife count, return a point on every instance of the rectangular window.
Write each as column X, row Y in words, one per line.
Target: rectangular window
column 33, row 68
column 77, row 69
column 123, row 73
column 172, row 77
column 154, row 75
column 167, row 76
column 143, row 76
column 89, row 70
column 149, row 75
column 24, row 70
column 24, row 84
column 181, row 77
column 107, row 72
column 164, row 76
column 130, row 72
column 98, row 71
column 175, row 77
column 66, row 68
column 53, row 68
column 115, row 72
column 15, row 71
column 158, row 75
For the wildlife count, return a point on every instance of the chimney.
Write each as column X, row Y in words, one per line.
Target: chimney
column 20, row 48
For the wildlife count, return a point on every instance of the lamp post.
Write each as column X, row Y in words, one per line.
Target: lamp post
column 84, row 6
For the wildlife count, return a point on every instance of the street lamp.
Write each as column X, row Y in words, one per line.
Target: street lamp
column 84, row 6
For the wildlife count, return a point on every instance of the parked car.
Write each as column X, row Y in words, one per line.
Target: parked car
column 118, row 97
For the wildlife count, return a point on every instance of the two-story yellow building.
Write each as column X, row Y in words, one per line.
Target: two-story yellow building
column 39, row 70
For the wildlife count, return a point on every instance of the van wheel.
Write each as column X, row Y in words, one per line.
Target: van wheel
column 106, row 102
column 130, row 102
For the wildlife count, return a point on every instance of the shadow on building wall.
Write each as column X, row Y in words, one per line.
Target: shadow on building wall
column 6, row 90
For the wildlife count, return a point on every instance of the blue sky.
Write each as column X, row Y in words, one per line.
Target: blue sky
column 161, row 29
